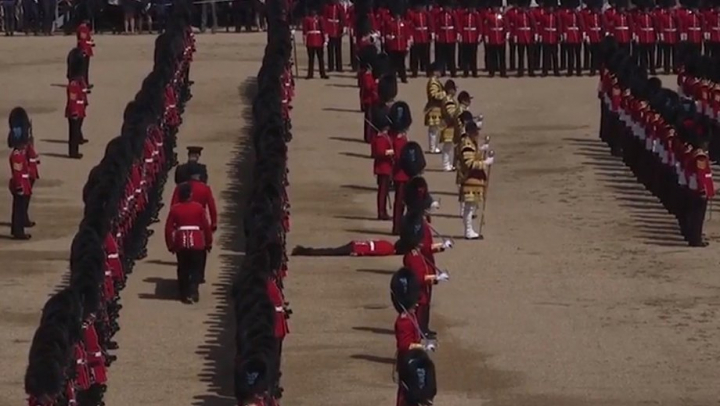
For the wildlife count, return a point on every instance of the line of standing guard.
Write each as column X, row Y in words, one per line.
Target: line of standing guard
column 548, row 38
column 662, row 137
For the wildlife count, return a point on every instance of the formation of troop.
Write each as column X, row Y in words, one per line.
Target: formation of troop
column 71, row 349
column 662, row 135
column 552, row 37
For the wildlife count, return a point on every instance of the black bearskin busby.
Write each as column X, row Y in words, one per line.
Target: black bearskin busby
column 417, row 375
column 387, row 88
column 412, row 159
column 404, row 290
column 400, row 117
column 411, row 232
column 417, row 195
column 20, row 127
column 75, row 63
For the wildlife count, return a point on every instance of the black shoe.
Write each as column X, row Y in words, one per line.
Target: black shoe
column 22, row 237
column 76, row 156
column 195, row 297
column 30, row 224
column 699, row 244
column 309, row 77
column 431, row 334
column 84, row 141
column 186, row 300
column 112, row 345
column 324, row 76
column 202, row 280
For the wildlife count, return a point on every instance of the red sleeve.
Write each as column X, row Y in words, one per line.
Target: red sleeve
column 376, row 146
column 212, row 208
column 169, row 229
column 206, row 229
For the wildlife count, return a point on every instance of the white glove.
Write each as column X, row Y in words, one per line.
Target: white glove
column 430, row 347
column 435, row 205
column 489, row 161
column 443, row 276
column 292, row 32
column 485, row 147
column 447, row 244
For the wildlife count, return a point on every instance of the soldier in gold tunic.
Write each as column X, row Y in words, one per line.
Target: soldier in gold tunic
column 433, row 107
column 473, row 171
column 449, row 115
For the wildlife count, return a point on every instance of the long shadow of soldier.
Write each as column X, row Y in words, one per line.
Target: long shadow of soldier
column 165, row 289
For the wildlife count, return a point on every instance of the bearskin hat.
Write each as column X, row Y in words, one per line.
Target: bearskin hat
column 404, row 290
column 75, row 63
column 417, row 195
column 252, row 378
column 417, row 375
column 387, row 88
column 400, row 117
column 20, row 127
column 411, row 232
column 412, row 159
column 367, row 55
column 380, row 119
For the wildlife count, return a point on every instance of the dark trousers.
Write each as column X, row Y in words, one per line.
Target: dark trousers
column 536, row 54
column 30, row 16
column 75, row 135
column 712, row 49
column 19, row 214
column 397, row 58
column 550, row 59
column 383, row 183
column 419, row 59
column 188, row 271
column 594, row 50
column 669, row 57
column 48, row 18
column 496, row 60
column 312, row 53
column 398, row 207
column 446, row 57
column 201, row 276
column 468, row 59
column 697, row 206
column 353, row 55
column 572, row 54
column 334, row 48
column 646, row 56
column 524, row 51
column 86, row 69
column 422, row 312
column 586, row 56
column 9, row 14
column 563, row 55
column 513, row 53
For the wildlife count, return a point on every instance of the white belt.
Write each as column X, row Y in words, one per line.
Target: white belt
column 496, row 29
column 523, row 29
column 79, row 102
column 334, row 21
column 33, row 160
column 694, row 28
column 595, row 29
column 314, row 32
column 372, row 245
column 421, row 28
column 670, row 29
column 189, row 228
column 622, row 28
column 452, row 27
column 573, row 28
column 113, row 256
column 138, row 190
column 25, row 175
column 470, row 29
column 550, row 29
column 279, row 309
column 149, row 160
column 648, row 29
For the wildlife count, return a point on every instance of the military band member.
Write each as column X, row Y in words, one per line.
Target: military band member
column 473, row 174
column 181, row 172
column 20, row 183
column 433, row 108
column 447, row 134
column 188, row 235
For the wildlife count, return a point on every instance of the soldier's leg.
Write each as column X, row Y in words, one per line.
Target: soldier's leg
column 73, row 138
column 311, row 62
column 462, row 65
column 353, row 57
column 398, row 207
column 341, row 251
column 425, row 59
column 563, row 55
column 554, row 59
column 183, row 275
column 468, row 209
column 17, row 220
column 202, row 266
column 513, row 51
column 521, row 51
column 569, row 57
column 414, row 60
column 28, row 223
column 502, row 57
column 447, row 156
column 383, row 182
column 578, row 66
column 652, row 57
column 338, row 54
column 197, row 271
column 594, row 58
column 401, row 66
column 452, row 59
column 321, row 62
column 491, row 60
column 545, row 59
column 486, row 57
column 586, row 56
column 331, row 55
column 474, row 59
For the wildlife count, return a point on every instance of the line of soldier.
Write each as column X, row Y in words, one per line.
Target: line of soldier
column 662, row 137
column 546, row 38
column 261, row 310
column 71, row 349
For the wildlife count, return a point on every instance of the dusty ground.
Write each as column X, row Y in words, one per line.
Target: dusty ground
column 581, row 293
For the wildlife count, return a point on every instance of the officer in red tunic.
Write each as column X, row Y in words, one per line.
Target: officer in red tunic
column 711, row 20
column 314, row 38
column 188, row 235
column 397, row 37
column 334, row 25
column 420, row 22
column 593, row 32
column 401, row 120
column 21, row 128
column 522, row 31
column 470, row 30
column 281, row 328
column 644, row 35
column 549, row 29
column 86, row 44
column 702, row 189
column 690, row 27
column 20, row 186
column 384, row 156
column 668, row 35
column 202, row 194
column 495, row 36
column 570, row 30
column 446, row 40
column 75, row 108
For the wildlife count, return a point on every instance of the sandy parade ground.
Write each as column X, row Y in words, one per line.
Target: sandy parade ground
column 581, row 293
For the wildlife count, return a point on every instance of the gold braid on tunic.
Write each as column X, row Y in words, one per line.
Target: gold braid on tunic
column 472, row 172
column 435, row 97
column 449, row 115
